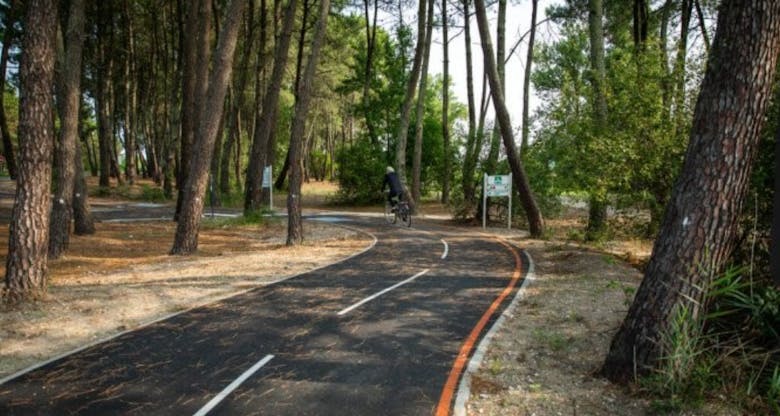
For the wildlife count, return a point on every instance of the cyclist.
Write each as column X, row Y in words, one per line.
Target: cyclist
column 396, row 191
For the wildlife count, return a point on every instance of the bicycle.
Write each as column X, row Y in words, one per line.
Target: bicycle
column 401, row 211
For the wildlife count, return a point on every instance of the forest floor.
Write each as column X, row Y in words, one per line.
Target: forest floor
column 541, row 361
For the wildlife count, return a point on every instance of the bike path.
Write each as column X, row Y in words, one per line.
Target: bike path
column 391, row 355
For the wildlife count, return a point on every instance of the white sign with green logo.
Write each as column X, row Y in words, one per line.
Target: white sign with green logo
column 497, row 185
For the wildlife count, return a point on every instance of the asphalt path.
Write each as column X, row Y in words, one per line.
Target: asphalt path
column 385, row 332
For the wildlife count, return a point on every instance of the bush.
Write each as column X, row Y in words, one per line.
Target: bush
column 361, row 171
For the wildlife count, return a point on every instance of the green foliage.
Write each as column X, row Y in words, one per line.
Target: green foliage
column 361, row 171
column 635, row 159
column 728, row 347
column 152, row 193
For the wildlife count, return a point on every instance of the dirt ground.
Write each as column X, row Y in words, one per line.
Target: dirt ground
column 541, row 361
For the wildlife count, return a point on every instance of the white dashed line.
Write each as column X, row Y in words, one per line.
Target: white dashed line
column 380, row 293
column 234, row 385
column 446, row 249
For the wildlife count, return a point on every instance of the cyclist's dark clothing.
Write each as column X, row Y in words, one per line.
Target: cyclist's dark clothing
column 391, row 179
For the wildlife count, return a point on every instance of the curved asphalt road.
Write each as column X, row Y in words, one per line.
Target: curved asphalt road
column 377, row 334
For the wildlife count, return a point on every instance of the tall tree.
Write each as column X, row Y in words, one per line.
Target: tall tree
column 597, row 211
column 527, row 78
column 186, row 239
column 83, row 222
column 472, row 151
column 527, row 199
column 26, row 265
column 370, row 47
column 445, row 104
column 418, row 131
column 265, row 123
column 411, row 88
column 294, row 226
column 491, row 163
column 195, row 86
column 238, row 102
column 130, row 98
column 698, row 229
column 8, row 39
column 69, row 90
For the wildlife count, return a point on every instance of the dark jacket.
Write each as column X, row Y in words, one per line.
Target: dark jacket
column 391, row 179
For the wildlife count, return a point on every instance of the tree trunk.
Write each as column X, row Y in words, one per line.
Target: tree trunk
column 495, row 142
column 445, row 105
column 69, row 99
column 535, row 222
column 597, row 210
column 26, row 265
column 83, row 223
column 130, row 99
column 411, row 86
column 186, row 240
column 234, row 120
column 527, row 79
column 641, row 14
column 105, row 130
column 294, row 226
column 702, row 26
column 774, row 251
column 197, row 80
column 470, row 160
column 370, row 44
column 697, row 233
column 267, row 120
column 418, row 131
column 679, row 68
column 282, row 176
column 8, row 147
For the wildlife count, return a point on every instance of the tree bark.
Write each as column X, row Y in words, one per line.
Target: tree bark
column 8, row 39
column 197, row 80
column 267, row 120
column 418, row 131
column 535, row 222
column 26, row 264
column 641, row 14
column 445, row 104
column 234, row 121
column 370, row 46
column 470, row 159
column 70, row 97
column 597, row 210
column 491, row 163
column 83, row 223
column 130, row 98
column 701, row 219
column 774, row 250
column 411, row 87
column 282, row 176
column 527, row 79
column 105, row 129
column 294, row 225
column 186, row 239
column 702, row 26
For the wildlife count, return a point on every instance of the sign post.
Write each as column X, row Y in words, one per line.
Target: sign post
column 268, row 183
column 496, row 185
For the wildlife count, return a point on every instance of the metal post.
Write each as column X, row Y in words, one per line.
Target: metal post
column 484, row 201
column 271, row 188
column 509, row 221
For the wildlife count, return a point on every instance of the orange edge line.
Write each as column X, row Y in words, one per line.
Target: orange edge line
column 443, row 408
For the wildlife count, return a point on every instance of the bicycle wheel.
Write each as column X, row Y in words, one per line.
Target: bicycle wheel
column 406, row 214
column 390, row 216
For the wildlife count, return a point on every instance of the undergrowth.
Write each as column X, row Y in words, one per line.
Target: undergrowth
column 731, row 349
